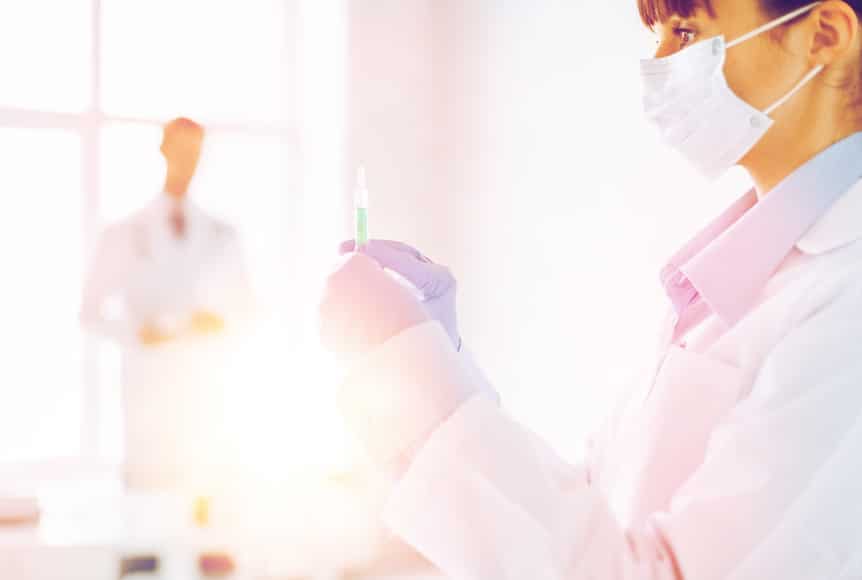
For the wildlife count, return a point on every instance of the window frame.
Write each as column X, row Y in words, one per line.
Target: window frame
column 88, row 125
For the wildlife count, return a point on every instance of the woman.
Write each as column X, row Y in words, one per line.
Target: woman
column 740, row 457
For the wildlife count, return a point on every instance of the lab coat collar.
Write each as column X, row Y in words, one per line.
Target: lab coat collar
column 815, row 209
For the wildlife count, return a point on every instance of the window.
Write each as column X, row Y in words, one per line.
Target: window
column 214, row 61
column 47, row 60
column 41, row 404
column 84, row 99
column 130, row 168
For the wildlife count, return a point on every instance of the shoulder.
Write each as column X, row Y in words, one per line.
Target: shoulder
column 217, row 228
column 134, row 219
column 221, row 233
column 834, row 283
column 123, row 228
column 223, row 230
column 825, row 334
column 220, row 236
column 127, row 234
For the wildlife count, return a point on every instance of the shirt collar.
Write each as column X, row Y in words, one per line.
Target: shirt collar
column 729, row 262
column 163, row 205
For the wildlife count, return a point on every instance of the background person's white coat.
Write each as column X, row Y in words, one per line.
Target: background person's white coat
column 173, row 392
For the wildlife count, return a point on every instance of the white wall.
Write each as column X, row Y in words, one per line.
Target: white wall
column 505, row 138
column 391, row 122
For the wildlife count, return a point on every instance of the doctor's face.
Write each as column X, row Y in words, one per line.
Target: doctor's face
column 759, row 70
column 764, row 68
column 181, row 148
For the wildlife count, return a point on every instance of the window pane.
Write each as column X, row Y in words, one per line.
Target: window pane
column 46, row 60
column 132, row 169
column 243, row 180
column 207, row 60
column 41, row 389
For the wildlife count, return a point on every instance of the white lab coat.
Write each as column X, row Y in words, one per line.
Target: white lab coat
column 740, row 460
column 173, row 392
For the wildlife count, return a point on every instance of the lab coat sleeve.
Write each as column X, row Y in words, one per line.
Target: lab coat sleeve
column 108, row 268
column 395, row 403
column 484, row 499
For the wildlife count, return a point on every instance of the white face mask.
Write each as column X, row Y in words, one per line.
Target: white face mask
column 687, row 97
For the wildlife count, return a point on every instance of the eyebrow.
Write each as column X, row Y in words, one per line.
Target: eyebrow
column 653, row 12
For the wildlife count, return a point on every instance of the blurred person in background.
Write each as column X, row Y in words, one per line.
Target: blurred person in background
column 169, row 285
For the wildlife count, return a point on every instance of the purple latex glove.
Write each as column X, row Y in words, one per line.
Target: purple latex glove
column 436, row 283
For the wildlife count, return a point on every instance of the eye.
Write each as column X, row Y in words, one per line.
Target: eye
column 686, row 35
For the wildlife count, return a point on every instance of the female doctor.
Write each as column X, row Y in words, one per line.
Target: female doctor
column 740, row 456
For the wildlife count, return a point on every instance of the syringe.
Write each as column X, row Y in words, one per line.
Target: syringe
column 360, row 207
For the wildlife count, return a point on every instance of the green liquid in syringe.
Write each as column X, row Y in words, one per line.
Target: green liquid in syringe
column 361, row 227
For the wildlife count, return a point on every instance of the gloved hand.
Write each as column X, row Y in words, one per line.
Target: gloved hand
column 363, row 306
column 435, row 283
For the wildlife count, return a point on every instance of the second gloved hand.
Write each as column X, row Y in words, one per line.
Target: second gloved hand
column 436, row 284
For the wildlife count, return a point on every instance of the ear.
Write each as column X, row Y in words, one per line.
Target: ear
column 835, row 26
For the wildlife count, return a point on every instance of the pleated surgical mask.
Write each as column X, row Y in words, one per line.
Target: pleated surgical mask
column 687, row 97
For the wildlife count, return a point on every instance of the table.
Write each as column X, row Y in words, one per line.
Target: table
column 85, row 537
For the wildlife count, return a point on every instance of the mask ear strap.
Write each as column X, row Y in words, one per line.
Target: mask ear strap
column 773, row 24
column 811, row 74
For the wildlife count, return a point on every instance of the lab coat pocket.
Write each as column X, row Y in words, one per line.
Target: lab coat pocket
column 666, row 438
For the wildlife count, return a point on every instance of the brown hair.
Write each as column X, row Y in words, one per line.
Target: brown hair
column 654, row 11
